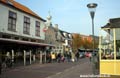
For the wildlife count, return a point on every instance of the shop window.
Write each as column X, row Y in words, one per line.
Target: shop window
column 107, row 45
column 117, row 49
column 6, row 36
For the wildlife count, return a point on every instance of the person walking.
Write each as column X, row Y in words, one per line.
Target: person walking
column 53, row 57
column 62, row 58
column 77, row 56
column 59, row 57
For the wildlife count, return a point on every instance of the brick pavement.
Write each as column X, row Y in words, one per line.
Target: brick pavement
column 75, row 71
column 31, row 71
column 51, row 70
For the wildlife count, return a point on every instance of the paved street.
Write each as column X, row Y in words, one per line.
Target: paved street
column 51, row 70
column 83, row 68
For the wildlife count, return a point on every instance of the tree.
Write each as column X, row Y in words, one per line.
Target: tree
column 77, row 42
column 87, row 44
column 84, row 42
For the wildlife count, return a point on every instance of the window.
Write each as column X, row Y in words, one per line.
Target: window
column 26, row 29
column 107, row 45
column 118, row 49
column 65, row 34
column 117, row 35
column 12, row 21
column 37, row 32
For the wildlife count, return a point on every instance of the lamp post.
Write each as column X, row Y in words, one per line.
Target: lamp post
column 92, row 8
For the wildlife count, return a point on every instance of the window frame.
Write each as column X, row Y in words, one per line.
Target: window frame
column 26, row 25
column 12, row 18
column 37, row 28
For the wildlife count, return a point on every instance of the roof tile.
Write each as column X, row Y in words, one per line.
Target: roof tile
column 21, row 8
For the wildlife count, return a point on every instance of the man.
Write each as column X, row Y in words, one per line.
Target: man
column 53, row 57
column 77, row 56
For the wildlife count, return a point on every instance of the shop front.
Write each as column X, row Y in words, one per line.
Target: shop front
column 17, row 52
column 109, row 48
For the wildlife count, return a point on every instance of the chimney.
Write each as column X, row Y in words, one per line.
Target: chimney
column 56, row 26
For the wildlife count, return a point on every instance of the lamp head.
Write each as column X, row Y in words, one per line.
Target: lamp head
column 92, row 5
column 92, row 8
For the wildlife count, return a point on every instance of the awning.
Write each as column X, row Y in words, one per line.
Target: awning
column 26, row 42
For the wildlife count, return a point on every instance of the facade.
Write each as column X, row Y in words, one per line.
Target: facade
column 66, row 38
column 61, row 39
column 51, row 38
column 21, row 33
column 86, row 37
column 109, row 48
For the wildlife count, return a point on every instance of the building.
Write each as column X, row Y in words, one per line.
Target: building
column 66, row 38
column 82, row 41
column 21, row 33
column 109, row 48
column 86, row 37
column 61, row 39
column 52, row 38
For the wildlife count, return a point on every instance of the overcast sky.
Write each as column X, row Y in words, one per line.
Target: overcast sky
column 73, row 15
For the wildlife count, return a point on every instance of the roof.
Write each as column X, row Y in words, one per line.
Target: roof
column 113, row 23
column 18, row 6
column 67, row 34
column 114, row 20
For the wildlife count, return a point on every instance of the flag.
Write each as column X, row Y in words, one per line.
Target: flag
column 45, row 28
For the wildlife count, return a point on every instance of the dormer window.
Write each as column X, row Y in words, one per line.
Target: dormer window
column 70, row 36
column 65, row 34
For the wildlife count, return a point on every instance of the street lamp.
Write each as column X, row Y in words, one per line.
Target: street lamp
column 92, row 8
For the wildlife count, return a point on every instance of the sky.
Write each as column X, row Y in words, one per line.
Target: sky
column 73, row 15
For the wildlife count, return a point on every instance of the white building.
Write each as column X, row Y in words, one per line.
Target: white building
column 21, row 31
column 61, row 39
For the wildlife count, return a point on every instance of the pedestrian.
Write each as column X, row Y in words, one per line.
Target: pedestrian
column 53, row 57
column 69, row 56
column 62, row 58
column 73, row 57
column 48, row 58
column 77, row 56
column 8, row 60
column 59, row 57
